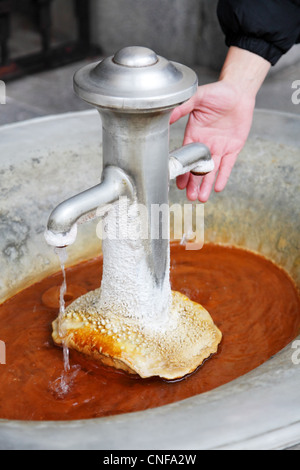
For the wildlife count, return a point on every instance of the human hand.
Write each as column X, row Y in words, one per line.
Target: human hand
column 221, row 116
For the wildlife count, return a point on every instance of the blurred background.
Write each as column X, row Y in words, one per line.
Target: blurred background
column 43, row 42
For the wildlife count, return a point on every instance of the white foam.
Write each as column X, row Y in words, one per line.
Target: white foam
column 128, row 287
column 61, row 239
column 176, row 168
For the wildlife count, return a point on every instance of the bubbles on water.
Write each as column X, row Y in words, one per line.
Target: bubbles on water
column 62, row 386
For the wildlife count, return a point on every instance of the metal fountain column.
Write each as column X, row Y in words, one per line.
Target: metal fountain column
column 135, row 92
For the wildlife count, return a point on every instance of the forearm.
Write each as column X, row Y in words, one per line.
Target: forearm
column 245, row 71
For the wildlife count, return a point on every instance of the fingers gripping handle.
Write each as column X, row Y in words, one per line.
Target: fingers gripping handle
column 195, row 158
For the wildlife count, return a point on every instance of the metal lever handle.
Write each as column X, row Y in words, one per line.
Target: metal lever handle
column 195, row 158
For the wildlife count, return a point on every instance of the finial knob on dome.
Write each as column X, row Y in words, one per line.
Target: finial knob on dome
column 135, row 56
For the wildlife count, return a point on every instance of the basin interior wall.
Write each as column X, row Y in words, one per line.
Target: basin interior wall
column 50, row 159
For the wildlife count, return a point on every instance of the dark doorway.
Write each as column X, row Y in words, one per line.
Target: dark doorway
column 41, row 34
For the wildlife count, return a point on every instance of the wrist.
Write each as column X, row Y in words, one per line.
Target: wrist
column 244, row 71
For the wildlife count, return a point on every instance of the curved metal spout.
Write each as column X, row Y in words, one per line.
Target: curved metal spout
column 62, row 223
column 195, row 158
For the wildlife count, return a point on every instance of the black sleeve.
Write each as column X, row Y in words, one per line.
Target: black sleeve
column 268, row 28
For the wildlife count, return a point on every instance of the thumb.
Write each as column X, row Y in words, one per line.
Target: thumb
column 183, row 110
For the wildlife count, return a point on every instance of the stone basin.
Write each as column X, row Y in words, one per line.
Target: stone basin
column 45, row 161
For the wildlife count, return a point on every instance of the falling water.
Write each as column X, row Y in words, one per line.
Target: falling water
column 61, row 386
column 62, row 254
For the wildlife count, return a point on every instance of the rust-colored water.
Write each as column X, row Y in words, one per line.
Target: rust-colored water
column 253, row 302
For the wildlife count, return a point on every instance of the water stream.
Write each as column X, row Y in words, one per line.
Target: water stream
column 63, row 256
column 61, row 386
